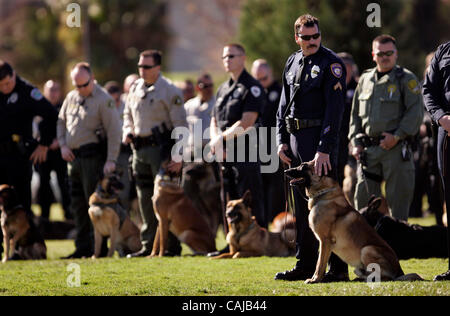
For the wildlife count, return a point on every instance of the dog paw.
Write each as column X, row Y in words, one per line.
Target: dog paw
column 311, row 281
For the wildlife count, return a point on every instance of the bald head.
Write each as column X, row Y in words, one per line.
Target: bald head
column 262, row 72
column 128, row 82
column 83, row 79
column 52, row 92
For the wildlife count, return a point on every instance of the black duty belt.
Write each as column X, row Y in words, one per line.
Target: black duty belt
column 295, row 124
column 86, row 151
column 148, row 141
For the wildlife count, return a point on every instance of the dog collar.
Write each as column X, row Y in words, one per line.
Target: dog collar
column 240, row 234
column 321, row 193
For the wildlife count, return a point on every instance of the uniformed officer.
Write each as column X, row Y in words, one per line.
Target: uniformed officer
column 308, row 124
column 53, row 93
column 239, row 105
column 436, row 95
column 273, row 187
column 88, row 115
column 387, row 109
column 153, row 104
column 20, row 102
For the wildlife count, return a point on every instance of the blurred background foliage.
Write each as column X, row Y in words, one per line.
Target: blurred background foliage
column 34, row 36
column 267, row 28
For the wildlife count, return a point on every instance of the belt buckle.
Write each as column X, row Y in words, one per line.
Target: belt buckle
column 297, row 123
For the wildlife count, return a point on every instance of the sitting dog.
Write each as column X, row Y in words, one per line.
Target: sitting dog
column 176, row 213
column 111, row 220
column 408, row 241
column 247, row 239
column 20, row 235
column 342, row 230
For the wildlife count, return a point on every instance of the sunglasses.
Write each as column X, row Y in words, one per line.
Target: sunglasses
column 202, row 85
column 308, row 37
column 388, row 53
column 230, row 56
column 83, row 85
column 146, row 67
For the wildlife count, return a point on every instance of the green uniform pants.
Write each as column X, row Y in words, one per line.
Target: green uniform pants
column 146, row 164
column 399, row 177
column 84, row 174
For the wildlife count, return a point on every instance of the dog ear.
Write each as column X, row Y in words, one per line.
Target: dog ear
column 374, row 203
column 247, row 198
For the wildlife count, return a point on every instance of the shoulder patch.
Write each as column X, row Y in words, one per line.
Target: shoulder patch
column 36, row 94
column 413, row 85
column 336, row 70
column 256, row 91
column 177, row 100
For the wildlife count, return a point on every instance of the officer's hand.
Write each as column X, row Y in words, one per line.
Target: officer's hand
column 54, row 145
column 175, row 167
column 217, row 149
column 282, row 153
column 67, row 154
column 109, row 167
column 39, row 155
column 356, row 152
column 445, row 122
column 388, row 142
column 321, row 161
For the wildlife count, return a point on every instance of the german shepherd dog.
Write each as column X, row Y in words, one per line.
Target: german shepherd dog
column 343, row 230
column 247, row 239
column 176, row 213
column 20, row 234
column 111, row 220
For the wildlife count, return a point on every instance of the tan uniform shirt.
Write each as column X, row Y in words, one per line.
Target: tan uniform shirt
column 148, row 107
column 80, row 117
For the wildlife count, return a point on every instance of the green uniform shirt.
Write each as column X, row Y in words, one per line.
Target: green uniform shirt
column 391, row 104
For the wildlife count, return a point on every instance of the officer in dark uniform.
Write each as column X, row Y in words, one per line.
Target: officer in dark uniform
column 20, row 102
column 436, row 95
column 239, row 104
column 274, row 197
column 308, row 124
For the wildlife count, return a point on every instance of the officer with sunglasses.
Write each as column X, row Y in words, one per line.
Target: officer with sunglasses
column 154, row 106
column 436, row 95
column 87, row 116
column 308, row 126
column 386, row 113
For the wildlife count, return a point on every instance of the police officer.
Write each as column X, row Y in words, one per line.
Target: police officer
column 387, row 109
column 20, row 102
column 436, row 95
column 240, row 101
column 86, row 114
column 53, row 93
column 152, row 104
column 308, row 124
column 274, row 199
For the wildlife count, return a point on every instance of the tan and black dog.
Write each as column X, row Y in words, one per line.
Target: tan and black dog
column 247, row 239
column 20, row 235
column 342, row 230
column 176, row 213
column 111, row 220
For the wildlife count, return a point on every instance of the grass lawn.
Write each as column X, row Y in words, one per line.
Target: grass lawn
column 195, row 276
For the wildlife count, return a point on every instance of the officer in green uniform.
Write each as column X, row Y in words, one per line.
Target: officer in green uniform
column 87, row 112
column 387, row 110
column 153, row 103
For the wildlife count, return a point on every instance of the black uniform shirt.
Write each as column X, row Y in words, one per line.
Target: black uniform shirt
column 18, row 109
column 436, row 88
column 269, row 116
column 321, row 95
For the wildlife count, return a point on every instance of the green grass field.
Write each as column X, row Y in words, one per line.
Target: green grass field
column 194, row 276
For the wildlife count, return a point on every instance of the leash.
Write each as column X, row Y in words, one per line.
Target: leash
column 366, row 185
column 290, row 204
